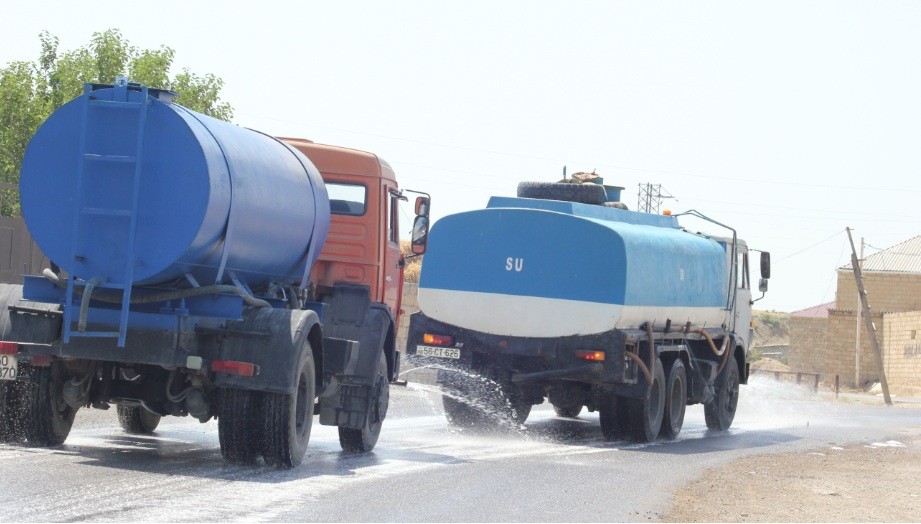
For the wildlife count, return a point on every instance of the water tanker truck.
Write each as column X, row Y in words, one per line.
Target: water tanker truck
column 201, row 269
column 563, row 294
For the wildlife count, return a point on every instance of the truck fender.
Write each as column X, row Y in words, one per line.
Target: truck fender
column 272, row 339
column 33, row 322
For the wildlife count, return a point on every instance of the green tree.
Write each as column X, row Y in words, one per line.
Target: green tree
column 30, row 91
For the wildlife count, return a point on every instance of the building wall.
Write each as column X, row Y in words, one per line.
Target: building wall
column 902, row 352
column 886, row 292
column 808, row 348
column 842, row 326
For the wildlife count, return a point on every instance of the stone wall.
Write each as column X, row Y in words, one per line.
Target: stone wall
column 808, row 348
column 886, row 292
column 902, row 352
column 842, row 332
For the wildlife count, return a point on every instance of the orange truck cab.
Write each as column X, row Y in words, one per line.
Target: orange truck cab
column 362, row 252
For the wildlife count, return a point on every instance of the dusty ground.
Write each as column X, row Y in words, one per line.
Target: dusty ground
column 870, row 483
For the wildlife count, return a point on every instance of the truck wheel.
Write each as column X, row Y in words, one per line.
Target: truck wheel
column 611, row 413
column 461, row 414
column 584, row 193
column 47, row 418
column 137, row 420
column 236, row 425
column 288, row 417
column 11, row 419
column 361, row 440
column 485, row 411
column 676, row 400
column 721, row 410
column 571, row 412
column 646, row 414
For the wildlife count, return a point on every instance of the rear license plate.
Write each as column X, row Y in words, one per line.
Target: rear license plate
column 431, row 351
column 9, row 367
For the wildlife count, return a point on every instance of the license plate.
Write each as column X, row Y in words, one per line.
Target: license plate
column 431, row 351
column 9, row 367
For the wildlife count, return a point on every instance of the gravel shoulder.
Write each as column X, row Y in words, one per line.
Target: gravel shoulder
column 876, row 482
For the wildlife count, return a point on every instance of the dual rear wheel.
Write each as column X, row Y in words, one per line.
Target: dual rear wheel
column 659, row 413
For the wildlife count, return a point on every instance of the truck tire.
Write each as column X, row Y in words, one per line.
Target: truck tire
column 461, row 414
column 612, row 415
column 236, row 425
column 676, row 400
column 11, row 419
column 584, row 193
column 646, row 414
column 485, row 404
column 721, row 409
column 47, row 419
column 570, row 412
column 287, row 418
column 137, row 420
column 361, row 440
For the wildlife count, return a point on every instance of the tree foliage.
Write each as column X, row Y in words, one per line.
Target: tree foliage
column 31, row 91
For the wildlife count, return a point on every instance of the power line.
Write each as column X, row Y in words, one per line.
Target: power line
column 765, row 180
column 810, row 247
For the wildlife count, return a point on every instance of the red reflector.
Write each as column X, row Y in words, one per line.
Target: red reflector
column 41, row 360
column 232, row 367
column 9, row 348
column 437, row 340
column 590, row 355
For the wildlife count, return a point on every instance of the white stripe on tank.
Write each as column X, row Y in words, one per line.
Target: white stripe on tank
column 523, row 316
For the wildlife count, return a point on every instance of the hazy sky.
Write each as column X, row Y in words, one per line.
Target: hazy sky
column 787, row 120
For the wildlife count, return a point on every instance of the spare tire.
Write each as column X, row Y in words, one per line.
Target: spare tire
column 584, row 193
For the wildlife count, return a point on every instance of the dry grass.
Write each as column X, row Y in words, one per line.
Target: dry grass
column 413, row 265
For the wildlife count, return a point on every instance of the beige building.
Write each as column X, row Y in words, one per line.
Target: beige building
column 823, row 339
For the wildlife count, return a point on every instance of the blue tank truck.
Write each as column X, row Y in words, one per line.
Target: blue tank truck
column 564, row 294
column 182, row 250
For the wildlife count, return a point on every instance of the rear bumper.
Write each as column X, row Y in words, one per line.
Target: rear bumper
column 531, row 360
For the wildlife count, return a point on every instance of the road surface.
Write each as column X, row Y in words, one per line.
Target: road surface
column 552, row 469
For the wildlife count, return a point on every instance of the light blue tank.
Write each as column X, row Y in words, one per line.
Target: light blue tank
column 546, row 268
column 123, row 184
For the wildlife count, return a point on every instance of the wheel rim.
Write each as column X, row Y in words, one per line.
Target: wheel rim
column 655, row 401
column 676, row 403
column 732, row 393
column 300, row 410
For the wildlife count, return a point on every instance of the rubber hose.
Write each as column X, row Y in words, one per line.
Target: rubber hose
column 640, row 364
column 170, row 295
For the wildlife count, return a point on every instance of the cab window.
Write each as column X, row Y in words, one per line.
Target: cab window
column 743, row 278
column 347, row 199
column 393, row 219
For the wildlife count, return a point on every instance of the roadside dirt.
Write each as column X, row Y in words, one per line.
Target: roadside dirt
column 880, row 482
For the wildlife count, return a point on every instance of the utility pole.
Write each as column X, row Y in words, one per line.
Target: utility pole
column 859, row 319
column 871, row 329
column 649, row 198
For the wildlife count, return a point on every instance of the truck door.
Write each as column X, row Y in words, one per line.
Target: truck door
column 392, row 255
column 743, row 302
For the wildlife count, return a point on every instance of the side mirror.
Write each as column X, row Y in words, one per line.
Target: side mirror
column 765, row 265
column 420, row 235
column 422, row 206
column 762, row 285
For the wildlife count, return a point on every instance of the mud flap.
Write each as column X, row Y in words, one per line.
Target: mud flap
column 350, row 395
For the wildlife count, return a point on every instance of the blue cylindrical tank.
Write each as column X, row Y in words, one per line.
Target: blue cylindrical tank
column 545, row 268
column 113, row 177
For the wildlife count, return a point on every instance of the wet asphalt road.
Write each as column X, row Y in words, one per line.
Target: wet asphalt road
column 422, row 470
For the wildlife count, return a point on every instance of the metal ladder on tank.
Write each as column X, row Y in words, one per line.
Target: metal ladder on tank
column 87, row 161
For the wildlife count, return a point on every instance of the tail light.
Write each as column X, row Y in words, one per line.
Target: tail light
column 437, row 340
column 595, row 356
column 9, row 348
column 232, row 367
